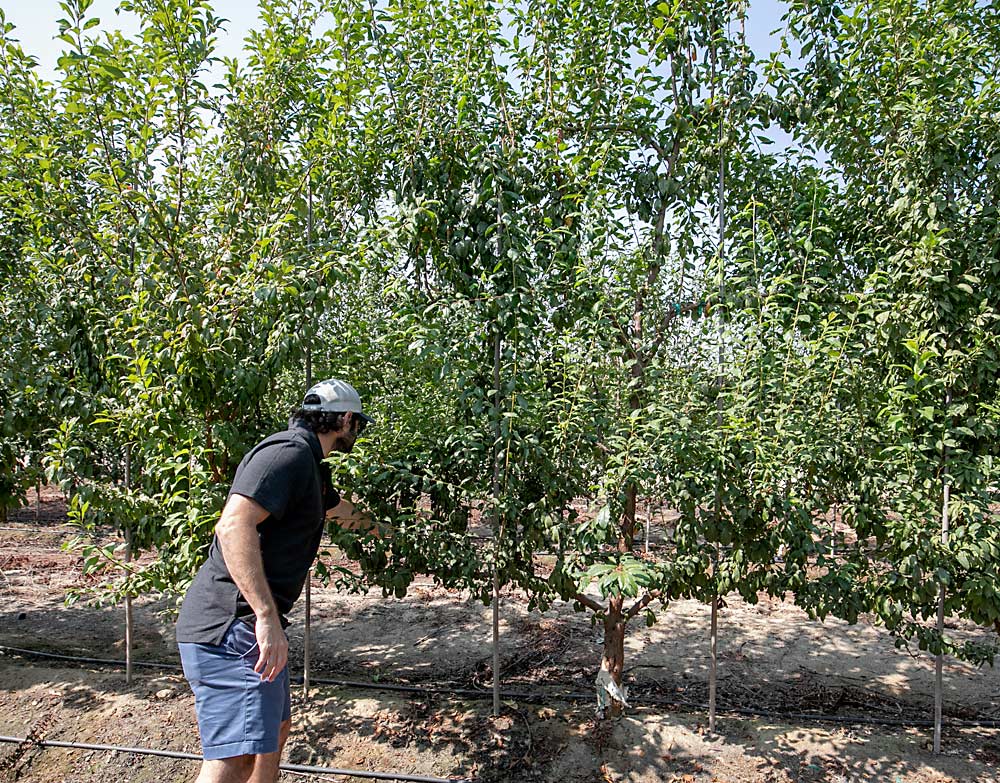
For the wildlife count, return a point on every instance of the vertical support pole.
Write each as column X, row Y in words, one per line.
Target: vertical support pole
column 38, row 500
column 649, row 515
column 307, row 636
column 129, row 619
column 495, row 484
column 129, row 542
column 939, row 658
column 307, row 626
column 496, row 642
column 496, row 522
column 833, row 531
column 713, row 678
column 713, row 672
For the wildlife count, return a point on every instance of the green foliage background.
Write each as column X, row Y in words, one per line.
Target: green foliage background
column 550, row 244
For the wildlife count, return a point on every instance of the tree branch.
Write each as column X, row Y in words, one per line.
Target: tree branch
column 589, row 602
column 661, row 328
column 642, row 603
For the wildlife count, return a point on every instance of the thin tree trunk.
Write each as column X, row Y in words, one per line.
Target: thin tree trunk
column 613, row 658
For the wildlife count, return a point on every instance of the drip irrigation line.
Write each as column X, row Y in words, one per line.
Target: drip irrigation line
column 34, row 529
column 381, row 686
column 77, row 659
column 573, row 696
column 299, row 768
column 818, row 717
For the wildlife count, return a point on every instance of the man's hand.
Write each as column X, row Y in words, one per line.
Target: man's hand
column 347, row 517
column 273, row 646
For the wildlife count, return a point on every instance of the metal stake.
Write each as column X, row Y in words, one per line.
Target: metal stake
column 496, row 523
column 939, row 658
column 129, row 620
column 307, row 628
column 714, row 659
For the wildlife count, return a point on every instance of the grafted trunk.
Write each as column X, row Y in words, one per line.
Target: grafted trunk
column 611, row 694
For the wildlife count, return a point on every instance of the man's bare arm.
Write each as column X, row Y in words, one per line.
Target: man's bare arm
column 237, row 532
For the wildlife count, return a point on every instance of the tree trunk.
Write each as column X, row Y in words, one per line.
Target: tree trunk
column 611, row 697
column 626, row 541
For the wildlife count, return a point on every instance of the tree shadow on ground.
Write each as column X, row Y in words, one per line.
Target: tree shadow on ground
column 434, row 736
column 867, row 755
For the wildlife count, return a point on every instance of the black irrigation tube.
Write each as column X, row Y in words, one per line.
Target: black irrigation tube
column 76, row 659
column 855, row 720
column 380, row 686
column 34, row 529
column 172, row 754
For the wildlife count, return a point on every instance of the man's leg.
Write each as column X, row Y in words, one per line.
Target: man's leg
column 232, row 770
column 239, row 716
column 265, row 766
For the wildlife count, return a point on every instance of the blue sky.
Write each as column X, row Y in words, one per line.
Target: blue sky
column 36, row 25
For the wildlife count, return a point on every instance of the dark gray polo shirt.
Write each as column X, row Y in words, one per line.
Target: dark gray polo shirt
column 285, row 474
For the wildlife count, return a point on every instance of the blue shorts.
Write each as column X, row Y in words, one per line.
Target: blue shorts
column 238, row 713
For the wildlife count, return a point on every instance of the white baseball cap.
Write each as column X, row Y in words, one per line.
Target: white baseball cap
column 335, row 396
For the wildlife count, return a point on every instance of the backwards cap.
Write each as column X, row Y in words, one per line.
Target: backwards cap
column 334, row 396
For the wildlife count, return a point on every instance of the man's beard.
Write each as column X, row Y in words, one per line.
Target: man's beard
column 343, row 444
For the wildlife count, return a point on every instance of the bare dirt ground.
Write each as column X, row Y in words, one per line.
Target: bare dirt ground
column 772, row 660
